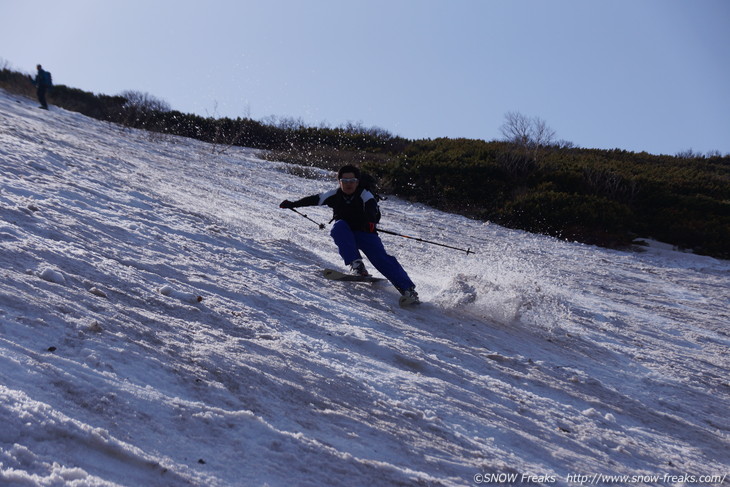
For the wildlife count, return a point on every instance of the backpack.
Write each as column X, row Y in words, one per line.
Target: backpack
column 47, row 79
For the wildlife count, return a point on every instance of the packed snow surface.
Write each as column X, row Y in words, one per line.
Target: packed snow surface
column 164, row 323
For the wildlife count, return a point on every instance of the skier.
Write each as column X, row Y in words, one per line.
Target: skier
column 42, row 82
column 356, row 214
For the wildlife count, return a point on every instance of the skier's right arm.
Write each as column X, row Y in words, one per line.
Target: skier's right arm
column 307, row 201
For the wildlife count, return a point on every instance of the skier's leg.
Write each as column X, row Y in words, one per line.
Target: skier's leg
column 387, row 265
column 345, row 241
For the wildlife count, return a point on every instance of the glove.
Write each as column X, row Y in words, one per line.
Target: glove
column 370, row 227
column 286, row 204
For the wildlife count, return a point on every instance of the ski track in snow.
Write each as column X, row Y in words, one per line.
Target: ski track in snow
column 534, row 356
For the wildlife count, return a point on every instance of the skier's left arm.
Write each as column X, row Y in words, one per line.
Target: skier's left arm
column 372, row 212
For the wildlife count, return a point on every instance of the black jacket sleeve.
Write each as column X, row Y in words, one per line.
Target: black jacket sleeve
column 370, row 207
column 307, row 201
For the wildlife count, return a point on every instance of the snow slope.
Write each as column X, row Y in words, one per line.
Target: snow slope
column 532, row 357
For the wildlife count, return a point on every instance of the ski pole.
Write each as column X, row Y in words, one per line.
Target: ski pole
column 468, row 251
column 321, row 225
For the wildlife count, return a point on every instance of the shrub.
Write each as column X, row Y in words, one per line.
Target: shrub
column 587, row 218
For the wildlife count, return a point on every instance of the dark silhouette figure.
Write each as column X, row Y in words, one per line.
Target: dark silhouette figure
column 43, row 83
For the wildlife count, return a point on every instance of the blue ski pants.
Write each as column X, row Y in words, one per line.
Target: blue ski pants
column 350, row 243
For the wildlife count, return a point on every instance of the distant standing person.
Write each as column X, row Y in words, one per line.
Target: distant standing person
column 43, row 83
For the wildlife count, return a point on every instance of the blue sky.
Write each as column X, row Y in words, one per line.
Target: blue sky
column 640, row 75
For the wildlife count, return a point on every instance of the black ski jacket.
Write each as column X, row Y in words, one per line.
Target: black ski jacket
column 358, row 209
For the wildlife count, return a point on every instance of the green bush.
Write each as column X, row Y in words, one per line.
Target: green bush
column 586, row 218
column 594, row 196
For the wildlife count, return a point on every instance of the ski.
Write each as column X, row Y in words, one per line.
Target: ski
column 404, row 301
column 341, row 276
